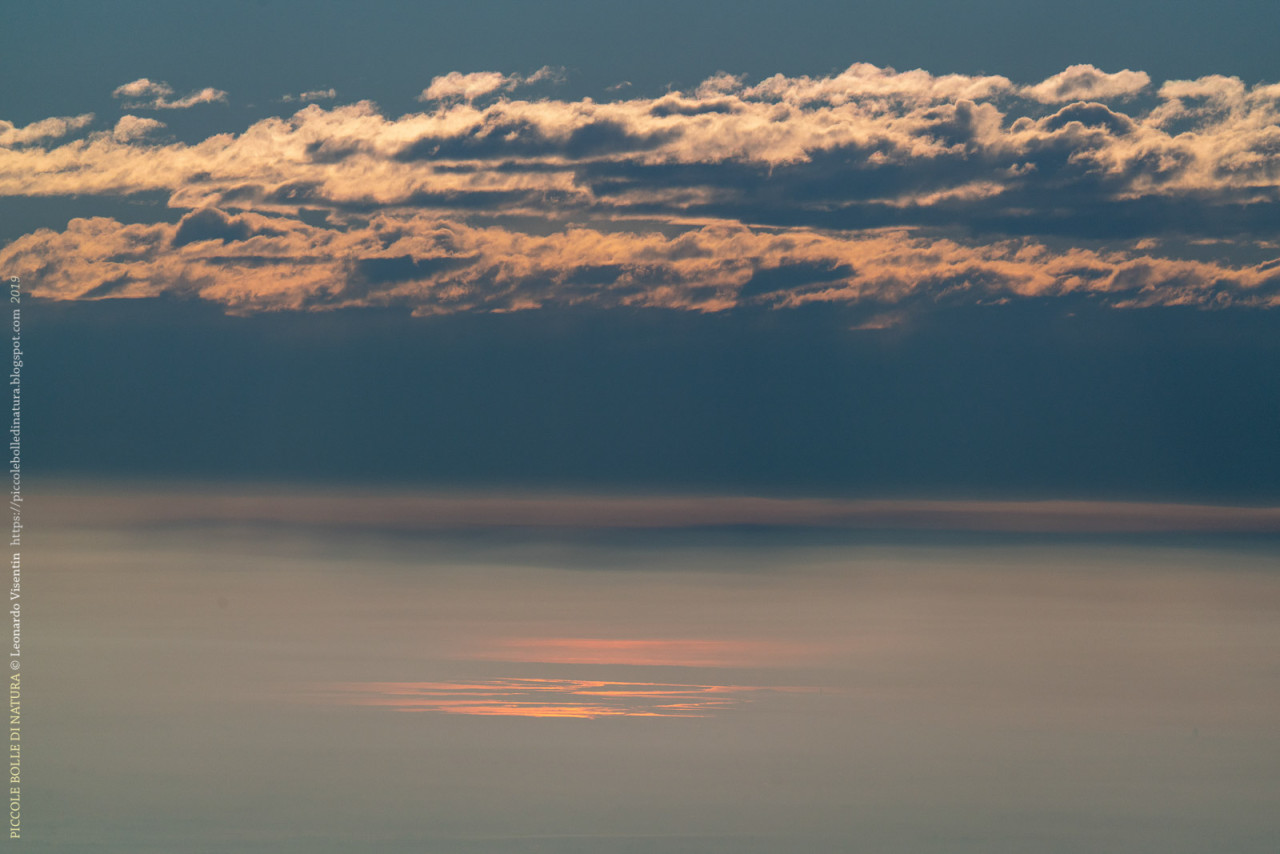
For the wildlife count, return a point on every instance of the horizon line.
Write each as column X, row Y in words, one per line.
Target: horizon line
column 433, row 509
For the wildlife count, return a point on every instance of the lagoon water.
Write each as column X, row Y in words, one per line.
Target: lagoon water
column 253, row 685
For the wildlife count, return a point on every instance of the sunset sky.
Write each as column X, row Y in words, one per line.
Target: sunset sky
column 576, row 427
column 997, row 250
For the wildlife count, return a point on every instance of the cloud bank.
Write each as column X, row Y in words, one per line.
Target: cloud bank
column 408, row 511
column 869, row 186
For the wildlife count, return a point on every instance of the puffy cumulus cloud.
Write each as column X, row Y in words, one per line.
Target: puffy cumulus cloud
column 146, row 94
column 1084, row 82
column 41, row 131
column 142, row 88
column 1214, row 88
column 133, row 128
column 433, row 265
column 468, row 87
column 1189, row 105
column 870, row 166
column 866, row 83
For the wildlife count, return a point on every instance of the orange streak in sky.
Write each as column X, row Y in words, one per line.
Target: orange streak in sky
column 543, row 698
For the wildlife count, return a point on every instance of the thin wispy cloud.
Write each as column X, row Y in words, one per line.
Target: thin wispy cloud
column 145, row 94
column 310, row 96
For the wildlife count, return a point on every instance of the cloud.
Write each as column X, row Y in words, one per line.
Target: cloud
column 1084, row 82
column 312, row 95
column 142, row 88
column 432, row 265
column 213, row 224
column 468, row 87
column 133, row 128
column 41, row 131
column 148, row 94
column 204, row 96
column 870, row 185
column 434, row 511
column 870, row 86
column 1215, row 88
column 546, row 73
column 843, row 150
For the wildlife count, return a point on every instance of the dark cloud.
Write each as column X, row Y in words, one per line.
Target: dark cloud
column 403, row 268
column 676, row 106
column 210, row 224
column 595, row 274
column 789, row 276
column 329, row 151
column 522, row 138
column 213, row 224
column 366, row 276
column 108, row 288
column 1088, row 114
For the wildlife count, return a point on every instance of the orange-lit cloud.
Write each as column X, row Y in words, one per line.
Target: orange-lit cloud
column 478, row 84
column 1084, row 82
column 541, row 698
column 41, row 131
column 946, row 131
column 145, row 94
column 251, row 262
column 131, row 128
column 869, row 186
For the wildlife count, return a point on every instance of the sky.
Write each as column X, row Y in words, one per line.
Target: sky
column 998, row 250
column 646, row 428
